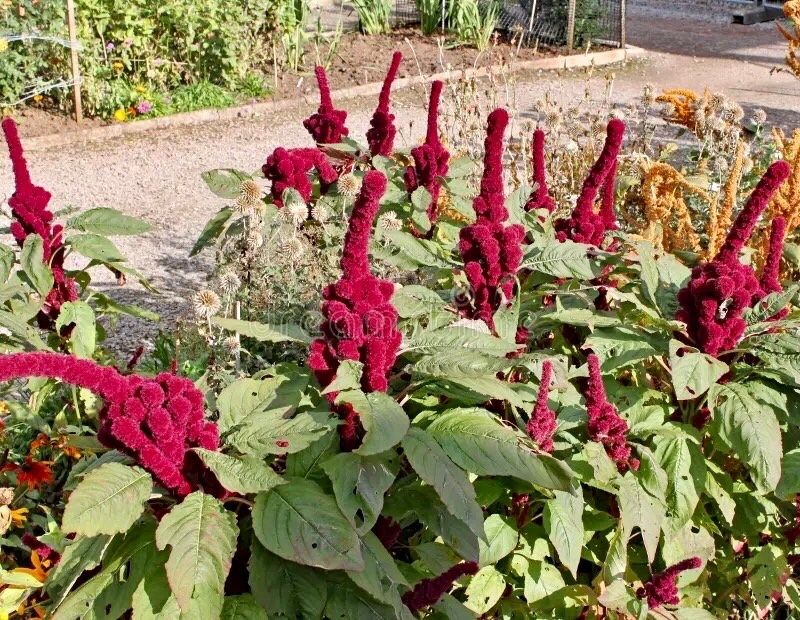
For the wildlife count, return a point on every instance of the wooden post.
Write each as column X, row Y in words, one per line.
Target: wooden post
column 76, row 67
column 571, row 25
column 622, row 31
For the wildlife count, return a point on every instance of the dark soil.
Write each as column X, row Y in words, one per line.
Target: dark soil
column 359, row 59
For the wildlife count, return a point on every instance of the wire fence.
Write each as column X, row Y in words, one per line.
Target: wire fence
column 571, row 23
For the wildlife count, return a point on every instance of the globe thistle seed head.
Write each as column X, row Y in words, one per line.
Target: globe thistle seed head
column 717, row 102
column 245, row 206
column 389, row 221
column 296, row 212
column 349, row 185
column 553, row 118
column 251, row 190
column 229, row 282
column 254, row 240
column 293, row 247
column 320, row 213
column 206, row 303
column 759, row 116
column 232, row 345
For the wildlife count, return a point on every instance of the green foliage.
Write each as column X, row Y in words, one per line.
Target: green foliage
column 373, row 15
column 474, row 22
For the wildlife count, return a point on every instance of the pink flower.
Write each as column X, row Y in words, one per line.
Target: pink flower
column 604, row 424
column 291, row 168
column 662, row 589
column 431, row 158
column 716, row 296
column 144, row 107
column 327, row 125
column 29, row 207
column 360, row 322
column 540, row 197
column 491, row 251
column 428, row 591
column 155, row 420
column 542, row 423
column 585, row 225
column 381, row 134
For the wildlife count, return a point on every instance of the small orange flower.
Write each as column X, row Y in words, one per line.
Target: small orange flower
column 34, row 474
column 41, row 441
column 19, row 516
column 71, row 451
column 40, row 567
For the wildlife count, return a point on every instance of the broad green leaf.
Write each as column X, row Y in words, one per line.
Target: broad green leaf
column 450, row 608
column 768, row 307
column 383, row 419
column 307, row 463
column 686, row 472
column 225, row 182
column 483, row 446
column 283, row 588
column 616, row 561
column 542, row 580
column 202, row 535
column 348, row 377
column 108, row 500
column 105, row 221
column 750, row 430
column 458, row 339
column 264, row 332
column 359, row 484
column 420, row 252
column 499, row 538
column 484, row 590
column 242, row 607
column 346, row 601
column 95, row 247
column 301, row 523
column 693, row 373
column 380, row 577
column 414, row 300
column 460, row 365
column 242, row 402
column 82, row 554
column 506, row 320
column 213, row 229
column 563, row 522
column 641, row 509
column 244, row 475
column 84, row 331
column 622, row 345
column 451, row 483
column 560, row 260
column 768, row 570
column 789, row 483
column 7, row 260
column 32, row 263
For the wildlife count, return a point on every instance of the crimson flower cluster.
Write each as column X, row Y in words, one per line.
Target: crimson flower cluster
column 662, row 589
column 290, row 168
column 32, row 217
column 491, row 250
column 360, row 322
column 327, row 125
column 770, row 275
column 428, row 591
column 542, row 423
column 585, row 225
column 719, row 291
column 540, row 197
column 155, row 420
column 431, row 159
column 381, row 134
column 605, row 425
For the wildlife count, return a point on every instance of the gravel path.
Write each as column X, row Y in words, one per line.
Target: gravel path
column 157, row 175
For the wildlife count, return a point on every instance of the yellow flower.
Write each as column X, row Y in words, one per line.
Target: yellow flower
column 140, row 89
column 19, row 516
column 3, row 45
column 118, row 66
column 37, row 98
column 121, row 115
column 3, row 407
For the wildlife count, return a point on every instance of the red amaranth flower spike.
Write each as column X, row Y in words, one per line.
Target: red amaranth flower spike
column 290, row 168
column 155, row 420
column 491, row 251
column 542, row 423
column 31, row 216
column 716, row 296
column 428, row 591
column 360, row 323
column 585, row 225
column 540, row 197
column 381, row 134
column 431, row 158
column 770, row 274
column 662, row 589
column 604, row 424
column 327, row 126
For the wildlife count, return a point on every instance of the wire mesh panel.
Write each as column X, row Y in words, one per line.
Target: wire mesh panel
column 542, row 22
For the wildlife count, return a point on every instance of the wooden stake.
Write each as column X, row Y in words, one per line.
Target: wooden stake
column 622, row 32
column 76, row 67
column 571, row 26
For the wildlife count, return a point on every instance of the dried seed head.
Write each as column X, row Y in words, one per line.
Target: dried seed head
column 296, row 212
column 229, row 282
column 6, row 496
column 389, row 221
column 648, row 94
column 553, row 118
column 245, row 205
column 320, row 213
column 232, row 345
column 251, row 190
column 717, row 102
column 349, row 186
column 254, row 240
column 293, row 247
column 759, row 116
column 207, row 303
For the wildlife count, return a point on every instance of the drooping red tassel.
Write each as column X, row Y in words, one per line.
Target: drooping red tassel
column 327, row 125
column 381, row 134
column 540, row 197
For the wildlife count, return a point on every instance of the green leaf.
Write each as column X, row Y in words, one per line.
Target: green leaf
column 32, row 263
column 421, row 199
column 202, row 535
column 348, row 602
column 105, row 221
column 84, row 333
column 768, row 307
column 301, row 523
column 348, row 377
column 789, row 483
column 359, row 484
column 768, row 570
column 622, row 345
column 225, row 182
column 264, row 332
column 457, row 339
column 82, row 554
column 461, row 364
column 641, row 509
column 421, row 252
column 616, row 562
column 563, row 522
column 560, row 260
column 506, row 320
column 213, row 229
column 749, row 430
column 414, row 300
column 693, row 373
column 108, row 500
column 686, row 473
column 483, row 446
column 451, row 483
column 380, row 577
column 242, row 402
column 541, row 580
column 283, row 588
column 383, row 419
column 484, row 590
column 7, row 260
column 95, row 247
column 500, row 538
column 244, row 475
column 242, row 607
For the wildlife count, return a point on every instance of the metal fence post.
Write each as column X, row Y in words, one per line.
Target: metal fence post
column 571, row 25
column 76, row 67
column 622, row 32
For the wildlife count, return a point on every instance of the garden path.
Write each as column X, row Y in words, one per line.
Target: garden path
column 156, row 175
